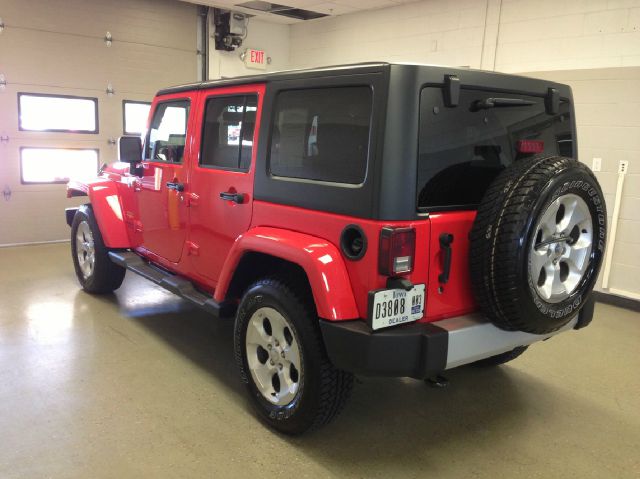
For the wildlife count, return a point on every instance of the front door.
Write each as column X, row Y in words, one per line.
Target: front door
column 161, row 191
column 221, row 182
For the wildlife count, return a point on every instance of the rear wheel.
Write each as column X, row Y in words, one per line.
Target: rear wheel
column 95, row 271
column 283, row 362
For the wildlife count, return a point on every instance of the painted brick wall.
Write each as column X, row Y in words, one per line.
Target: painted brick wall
column 531, row 35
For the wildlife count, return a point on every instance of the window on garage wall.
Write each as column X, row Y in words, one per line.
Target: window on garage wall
column 134, row 116
column 57, row 165
column 57, row 113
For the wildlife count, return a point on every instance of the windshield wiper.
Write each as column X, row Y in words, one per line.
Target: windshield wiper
column 499, row 103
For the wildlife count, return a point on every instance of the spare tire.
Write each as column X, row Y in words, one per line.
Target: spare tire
column 537, row 244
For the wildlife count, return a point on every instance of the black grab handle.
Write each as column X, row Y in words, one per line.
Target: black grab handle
column 235, row 197
column 445, row 246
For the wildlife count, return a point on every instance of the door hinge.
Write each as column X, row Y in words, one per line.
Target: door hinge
column 193, row 249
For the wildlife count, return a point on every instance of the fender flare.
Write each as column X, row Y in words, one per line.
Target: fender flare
column 320, row 259
column 107, row 208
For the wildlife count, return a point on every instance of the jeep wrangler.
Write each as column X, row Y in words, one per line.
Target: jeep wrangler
column 373, row 219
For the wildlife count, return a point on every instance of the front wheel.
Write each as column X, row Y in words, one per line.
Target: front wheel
column 283, row 362
column 96, row 273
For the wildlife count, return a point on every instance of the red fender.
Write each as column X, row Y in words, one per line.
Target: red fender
column 107, row 208
column 320, row 259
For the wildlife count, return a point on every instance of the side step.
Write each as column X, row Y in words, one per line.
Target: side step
column 177, row 285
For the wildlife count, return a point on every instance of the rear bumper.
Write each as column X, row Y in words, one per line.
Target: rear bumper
column 420, row 350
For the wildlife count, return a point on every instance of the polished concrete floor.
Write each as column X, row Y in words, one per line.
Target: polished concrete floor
column 140, row 384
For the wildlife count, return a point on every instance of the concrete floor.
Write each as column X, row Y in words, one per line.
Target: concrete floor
column 140, row 384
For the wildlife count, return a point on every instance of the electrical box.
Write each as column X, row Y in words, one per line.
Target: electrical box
column 237, row 24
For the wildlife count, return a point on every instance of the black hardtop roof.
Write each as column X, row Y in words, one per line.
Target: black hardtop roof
column 350, row 69
column 358, row 68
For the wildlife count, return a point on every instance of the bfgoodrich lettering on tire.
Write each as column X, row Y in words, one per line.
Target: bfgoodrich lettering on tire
column 537, row 244
column 282, row 360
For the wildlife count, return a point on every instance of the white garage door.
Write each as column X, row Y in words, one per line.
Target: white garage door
column 58, row 47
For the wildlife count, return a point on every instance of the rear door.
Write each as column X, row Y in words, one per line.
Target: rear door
column 221, row 179
column 161, row 200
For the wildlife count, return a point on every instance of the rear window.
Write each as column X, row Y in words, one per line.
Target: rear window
column 322, row 134
column 462, row 149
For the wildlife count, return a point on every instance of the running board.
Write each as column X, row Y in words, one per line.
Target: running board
column 171, row 282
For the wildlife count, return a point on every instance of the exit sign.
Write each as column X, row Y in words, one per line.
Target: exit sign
column 255, row 59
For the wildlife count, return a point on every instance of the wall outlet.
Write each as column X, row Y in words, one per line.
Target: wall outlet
column 597, row 164
column 623, row 166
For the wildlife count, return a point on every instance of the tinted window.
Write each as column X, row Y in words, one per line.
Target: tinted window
column 168, row 131
column 322, row 134
column 462, row 149
column 227, row 140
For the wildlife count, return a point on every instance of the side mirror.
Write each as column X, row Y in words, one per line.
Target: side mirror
column 130, row 150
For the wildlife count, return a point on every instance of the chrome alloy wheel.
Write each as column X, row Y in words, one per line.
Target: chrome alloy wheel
column 561, row 247
column 85, row 249
column 273, row 356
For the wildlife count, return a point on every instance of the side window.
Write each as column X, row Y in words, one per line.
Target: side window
column 227, row 136
column 167, row 134
column 322, row 134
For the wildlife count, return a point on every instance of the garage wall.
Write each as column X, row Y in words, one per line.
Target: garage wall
column 607, row 106
column 57, row 46
column 512, row 35
column 273, row 38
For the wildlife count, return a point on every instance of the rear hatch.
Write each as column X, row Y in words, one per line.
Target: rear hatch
column 461, row 150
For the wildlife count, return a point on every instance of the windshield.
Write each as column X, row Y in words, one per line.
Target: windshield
column 462, row 149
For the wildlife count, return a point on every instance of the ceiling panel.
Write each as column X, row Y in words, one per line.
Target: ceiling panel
column 334, row 7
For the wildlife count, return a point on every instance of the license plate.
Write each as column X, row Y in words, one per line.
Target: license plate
column 388, row 307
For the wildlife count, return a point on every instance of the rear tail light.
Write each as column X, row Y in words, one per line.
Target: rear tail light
column 397, row 250
column 530, row 146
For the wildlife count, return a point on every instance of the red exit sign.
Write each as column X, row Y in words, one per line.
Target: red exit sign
column 255, row 59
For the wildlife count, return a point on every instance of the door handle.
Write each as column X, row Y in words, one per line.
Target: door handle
column 175, row 186
column 445, row 246
column 235, row 197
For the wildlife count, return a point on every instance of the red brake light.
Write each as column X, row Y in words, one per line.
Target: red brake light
column 530, row 146
column 397, row 250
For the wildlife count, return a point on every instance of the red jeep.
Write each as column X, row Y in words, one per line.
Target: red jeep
column 380, row 219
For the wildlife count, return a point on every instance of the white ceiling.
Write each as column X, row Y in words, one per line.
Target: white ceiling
column 334, row 7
